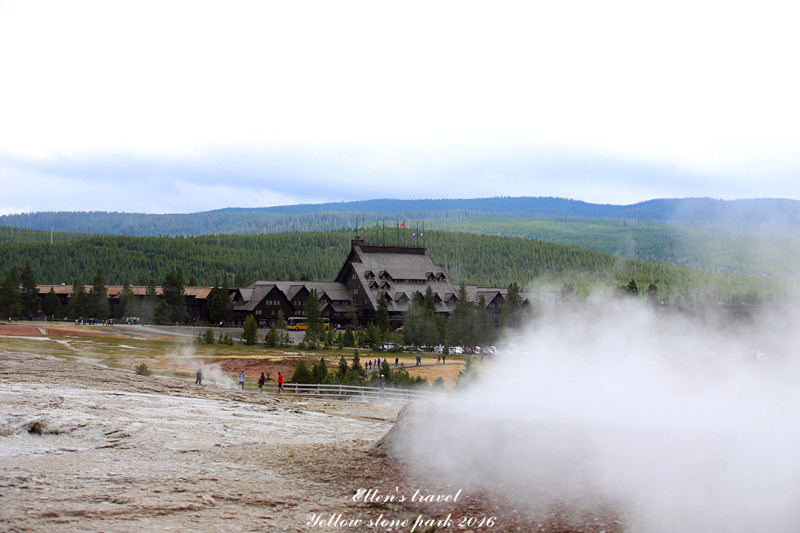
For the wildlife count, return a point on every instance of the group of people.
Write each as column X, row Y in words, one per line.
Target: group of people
column 263, row 379
column 242, row 377
column 376, row 363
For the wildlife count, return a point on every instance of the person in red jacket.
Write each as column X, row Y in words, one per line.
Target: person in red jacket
column 261, row 381
column 280, row 382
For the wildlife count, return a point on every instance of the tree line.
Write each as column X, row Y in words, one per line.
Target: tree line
column 739, row 214
column 483, row 260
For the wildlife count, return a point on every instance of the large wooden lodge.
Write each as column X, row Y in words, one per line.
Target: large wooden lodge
column 398, row 270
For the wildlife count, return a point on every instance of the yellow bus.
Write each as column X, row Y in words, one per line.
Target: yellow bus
column 298, row 323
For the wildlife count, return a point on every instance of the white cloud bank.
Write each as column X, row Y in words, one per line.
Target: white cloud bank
column 705, row 89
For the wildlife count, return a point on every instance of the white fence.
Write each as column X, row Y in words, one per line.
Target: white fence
column 342, row 392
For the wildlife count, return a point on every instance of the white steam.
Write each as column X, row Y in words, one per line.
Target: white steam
column 185, row 358
column 681, row 425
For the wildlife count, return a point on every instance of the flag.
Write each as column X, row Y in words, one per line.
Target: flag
column 403, row 225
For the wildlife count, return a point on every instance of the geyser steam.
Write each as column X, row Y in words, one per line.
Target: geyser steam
column 682, row 426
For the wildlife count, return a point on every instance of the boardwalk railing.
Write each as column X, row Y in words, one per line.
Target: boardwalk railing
column 342, row 392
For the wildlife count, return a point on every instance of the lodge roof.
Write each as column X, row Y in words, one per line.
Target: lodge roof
column 114, row 291
column 397, row 270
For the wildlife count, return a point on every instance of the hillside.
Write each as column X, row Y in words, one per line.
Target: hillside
column 470, row 258
column 757, row 215
column 759, row 238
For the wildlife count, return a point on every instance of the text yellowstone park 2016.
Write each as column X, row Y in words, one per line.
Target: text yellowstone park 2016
column 338, row 520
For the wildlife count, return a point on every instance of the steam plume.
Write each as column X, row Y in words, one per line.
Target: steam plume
column 680, row 423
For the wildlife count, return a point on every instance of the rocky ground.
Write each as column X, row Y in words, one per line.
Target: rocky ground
column 86, row 448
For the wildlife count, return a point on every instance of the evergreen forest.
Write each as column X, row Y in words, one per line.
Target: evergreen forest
column 471, row 258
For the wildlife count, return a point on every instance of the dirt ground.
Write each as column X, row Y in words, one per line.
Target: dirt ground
column 87, row 448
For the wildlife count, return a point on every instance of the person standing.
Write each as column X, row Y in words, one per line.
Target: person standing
column 280, row 382
column 242, row 377
column 261, row 381
column 199, row 377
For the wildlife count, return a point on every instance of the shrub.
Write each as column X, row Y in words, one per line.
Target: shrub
column 250, row 331
column 207, row 337
column 302, row 374
column 272, row 338
column 142, row 370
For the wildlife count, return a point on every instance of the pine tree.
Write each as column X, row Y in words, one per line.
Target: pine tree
column 352, row 311
column 174, row 308
column 460, row 323
column 51, row 305
column 320, row 371
column 218, row 305
column 128, row 302
column 10, row 300
column 484, row 324
column 330, row 338
column 421, row 326
column 250, row 331
column 98, row 297
column 356, row 366
column 382, row 315
column 148, row 307
column 343, row 367
column 313, row 315
column 302, row 374
column 512, row 316
column 29, row 292
column 467, row 375
column 272, row 338
column 78, row 301
column 240, row 279
column 348, row 338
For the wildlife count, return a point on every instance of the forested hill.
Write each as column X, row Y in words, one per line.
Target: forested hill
column 756, row 215
column 469, row 258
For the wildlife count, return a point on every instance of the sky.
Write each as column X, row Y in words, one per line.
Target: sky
column 186, row 106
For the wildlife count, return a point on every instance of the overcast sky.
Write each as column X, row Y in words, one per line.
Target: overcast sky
column 171, row 106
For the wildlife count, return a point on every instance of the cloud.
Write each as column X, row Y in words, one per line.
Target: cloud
column 220, row 177
column 365, row 92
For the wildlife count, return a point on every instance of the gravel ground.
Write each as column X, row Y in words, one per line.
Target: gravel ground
column 86, row 448
column 99, row 450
